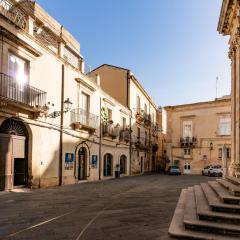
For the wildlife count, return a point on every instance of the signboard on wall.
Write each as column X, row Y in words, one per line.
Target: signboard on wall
column 94, row 161
column 69, row 161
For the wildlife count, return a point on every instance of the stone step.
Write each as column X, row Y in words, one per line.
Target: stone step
column 215, row 202
column 223, row 193
column 177, row 228
column 233, row 180
column 205, row 212
column 232, row 188
column 192, row 222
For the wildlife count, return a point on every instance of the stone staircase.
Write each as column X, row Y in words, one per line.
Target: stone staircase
column 208, row 211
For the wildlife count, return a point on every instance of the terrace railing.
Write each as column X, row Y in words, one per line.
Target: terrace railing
column 13, row 91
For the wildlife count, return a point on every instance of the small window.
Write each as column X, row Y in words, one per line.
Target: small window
column 220, row 153
column 228, row 152
column 138, row 103
column 187, row 129
column 224, row 126
column 145, row 108
column 187, row 152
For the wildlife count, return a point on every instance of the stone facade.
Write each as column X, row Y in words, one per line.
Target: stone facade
column 229, row 24
column 57, row 124
column 196, row 133
column 122, row 85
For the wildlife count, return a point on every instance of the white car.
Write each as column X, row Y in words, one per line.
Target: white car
column 215, row 171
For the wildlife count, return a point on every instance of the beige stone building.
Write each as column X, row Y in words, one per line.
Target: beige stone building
column 57, row 125
column 122, row 85
column 196, row 133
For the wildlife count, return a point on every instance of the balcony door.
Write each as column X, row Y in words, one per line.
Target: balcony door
column 17, row 70
column 85, row 102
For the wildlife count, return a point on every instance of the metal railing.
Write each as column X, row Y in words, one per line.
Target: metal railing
column 13, row 13
column 125, row 135
column 84, row 117
column 188, row 141
column 110, row 129
column 12, row 90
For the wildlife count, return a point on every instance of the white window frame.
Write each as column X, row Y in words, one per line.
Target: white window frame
column 224, row 126
column 187, row 132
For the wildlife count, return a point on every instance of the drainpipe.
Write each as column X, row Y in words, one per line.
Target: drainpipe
column 130, row 121
column 100, row 141
column 130, row 145
column 61, row 129
column 1, row 32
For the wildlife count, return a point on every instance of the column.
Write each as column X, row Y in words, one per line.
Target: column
column 234, row 54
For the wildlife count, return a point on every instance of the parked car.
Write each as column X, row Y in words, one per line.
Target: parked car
column 215, row 171
column 174, row 170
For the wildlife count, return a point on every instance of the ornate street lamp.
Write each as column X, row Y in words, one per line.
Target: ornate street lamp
column 67, row 105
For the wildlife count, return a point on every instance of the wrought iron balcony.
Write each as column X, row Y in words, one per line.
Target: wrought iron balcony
column 155, row 130
column 188, row 142
column 155, row 147
column 139, row 114
column 147, row 119
column 124, row 135
column 13, row 12
column 82, row 119
column 24, row 95
column 110, row 130
column 141, row 144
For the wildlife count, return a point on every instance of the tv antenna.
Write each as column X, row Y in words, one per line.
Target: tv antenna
column 217, row 87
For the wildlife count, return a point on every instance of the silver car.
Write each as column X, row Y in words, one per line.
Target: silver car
column 174, row 170
column 215, row 171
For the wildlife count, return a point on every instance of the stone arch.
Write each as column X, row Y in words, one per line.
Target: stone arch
column 107, row 164
column 79, row 147
column 123, row 164
column 19, row 136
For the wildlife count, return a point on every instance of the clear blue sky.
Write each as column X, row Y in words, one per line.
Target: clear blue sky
column 173, row 47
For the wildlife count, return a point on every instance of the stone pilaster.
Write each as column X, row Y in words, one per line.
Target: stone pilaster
column 234, row 54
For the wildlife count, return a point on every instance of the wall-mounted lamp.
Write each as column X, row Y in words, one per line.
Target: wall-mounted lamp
column 67, row 105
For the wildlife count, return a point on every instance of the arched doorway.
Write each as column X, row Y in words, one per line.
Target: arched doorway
column 14, row 135
column 108, row 165
column 123, row 164
column 82, row 163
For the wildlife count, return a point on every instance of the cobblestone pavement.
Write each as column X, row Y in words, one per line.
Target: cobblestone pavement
column 129, row 208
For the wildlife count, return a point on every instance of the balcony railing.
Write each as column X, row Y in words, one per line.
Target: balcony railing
column 12, row 91
column 147, row 119
column 139, row 114
column 155, row 147
column 110, row 129
column 13, row 13
column 189, row 142
column 141, row 144
column 83, row 119
column 155, row 130
column 124, row 135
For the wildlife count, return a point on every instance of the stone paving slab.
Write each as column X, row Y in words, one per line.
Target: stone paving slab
column 130, row 208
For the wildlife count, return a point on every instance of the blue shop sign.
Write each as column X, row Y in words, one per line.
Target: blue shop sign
column 94, row 161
